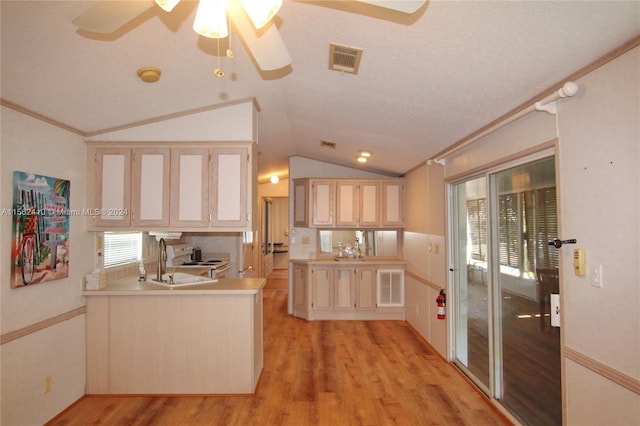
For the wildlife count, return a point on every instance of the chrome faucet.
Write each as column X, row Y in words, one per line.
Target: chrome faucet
column 162, row 259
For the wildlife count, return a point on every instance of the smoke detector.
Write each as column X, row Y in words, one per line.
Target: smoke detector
column 344, row 58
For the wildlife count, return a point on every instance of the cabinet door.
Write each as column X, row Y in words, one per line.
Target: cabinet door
column 190, row 187
column 322, row 203
column 112, row 203
column 393, row 204
column 150, row 196
column 300, row 291
column 344, row 287
column 229, row 188
column 322, row 297
column 347, row 203
column 369, row 204
column 301, row 203
column 365, row 287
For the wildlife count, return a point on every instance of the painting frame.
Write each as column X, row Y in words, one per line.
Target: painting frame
column 40, row 229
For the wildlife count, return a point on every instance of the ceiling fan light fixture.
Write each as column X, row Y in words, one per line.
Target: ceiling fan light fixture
column 167, row 5
column 211, row 19
column 261, row 11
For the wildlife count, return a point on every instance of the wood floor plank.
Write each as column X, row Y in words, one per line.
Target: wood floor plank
column 317, row 373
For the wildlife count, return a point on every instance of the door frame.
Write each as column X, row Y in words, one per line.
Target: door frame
column 546, row 150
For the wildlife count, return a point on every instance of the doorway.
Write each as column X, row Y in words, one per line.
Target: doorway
column 275, row 235
column 504, row 272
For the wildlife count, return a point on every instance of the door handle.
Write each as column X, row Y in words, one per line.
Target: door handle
column 558, row 243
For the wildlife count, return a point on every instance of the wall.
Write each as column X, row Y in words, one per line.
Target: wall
column 425, row 250
column 59, row 350
column 600, row 206
column 598, row 163
column 234, row 121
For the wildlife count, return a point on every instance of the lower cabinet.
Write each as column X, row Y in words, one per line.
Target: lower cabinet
column 345, row 291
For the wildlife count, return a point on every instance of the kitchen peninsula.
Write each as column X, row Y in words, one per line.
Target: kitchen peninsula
column 148, row 338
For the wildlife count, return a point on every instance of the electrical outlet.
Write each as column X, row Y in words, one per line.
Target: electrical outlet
column 47, row 384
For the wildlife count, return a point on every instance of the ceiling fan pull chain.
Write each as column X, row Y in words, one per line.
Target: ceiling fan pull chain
column 219, row 72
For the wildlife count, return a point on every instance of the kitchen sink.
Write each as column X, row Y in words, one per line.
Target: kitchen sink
column 182, row 279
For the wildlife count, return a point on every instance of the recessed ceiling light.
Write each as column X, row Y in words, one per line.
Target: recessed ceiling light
column 365, row 154
column 362, row 159
column 275, row 179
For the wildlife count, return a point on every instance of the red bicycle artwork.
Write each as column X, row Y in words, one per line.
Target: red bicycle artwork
column 40, row 243
column 26, row 250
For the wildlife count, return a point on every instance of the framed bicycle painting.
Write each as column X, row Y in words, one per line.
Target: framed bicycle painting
column 40, row 229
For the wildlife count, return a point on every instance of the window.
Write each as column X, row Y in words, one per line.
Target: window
column 122, row 247
column 527, row 222
column 477, row 217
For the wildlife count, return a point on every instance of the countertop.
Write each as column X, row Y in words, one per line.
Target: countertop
column 130, row 286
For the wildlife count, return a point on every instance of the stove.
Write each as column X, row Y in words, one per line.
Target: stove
column 179, row 255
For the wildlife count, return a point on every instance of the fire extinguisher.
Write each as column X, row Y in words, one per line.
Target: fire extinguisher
column 441, row 301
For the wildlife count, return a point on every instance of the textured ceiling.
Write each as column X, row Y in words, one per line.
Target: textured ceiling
column 425, row 81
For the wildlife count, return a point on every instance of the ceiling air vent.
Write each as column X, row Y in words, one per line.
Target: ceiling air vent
column 327, row 144
column 344, row 58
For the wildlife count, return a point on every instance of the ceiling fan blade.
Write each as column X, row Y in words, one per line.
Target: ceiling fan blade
column 107, row 16
column 266, row 47
column 404, row 6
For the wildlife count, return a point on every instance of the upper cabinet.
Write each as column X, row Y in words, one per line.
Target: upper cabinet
column 358, row 203
column 150, row 187
column 348, row 203
column 111, row 193
column 180, row 187
column 392, row 204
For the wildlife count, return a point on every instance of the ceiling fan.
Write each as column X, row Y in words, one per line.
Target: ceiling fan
column 247, row 16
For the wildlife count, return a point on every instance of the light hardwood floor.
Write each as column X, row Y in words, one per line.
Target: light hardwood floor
column 317, row 373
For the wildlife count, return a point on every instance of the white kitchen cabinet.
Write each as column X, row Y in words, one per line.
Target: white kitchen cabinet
column 190, row 187
column 355, row 287
column 357, row 203
column 322, row 203
column 347, row 290
column 110, row 199
column 229, row 182
column 322, row 288
column 348, row 203
column 175, row 187
column 365, row 287
column 344, row 287
column 300, row 290
column 301, row 203
column 150, row 187
column 392, row 204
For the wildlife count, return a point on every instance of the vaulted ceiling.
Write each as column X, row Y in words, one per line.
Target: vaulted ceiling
column 425, row 80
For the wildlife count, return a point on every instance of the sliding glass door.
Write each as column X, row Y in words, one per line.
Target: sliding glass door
column 505, row 274
column 471, row 293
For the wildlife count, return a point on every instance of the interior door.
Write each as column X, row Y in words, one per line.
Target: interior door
column 504, row 275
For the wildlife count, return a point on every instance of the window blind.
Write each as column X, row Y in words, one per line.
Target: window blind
column 122, row 247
